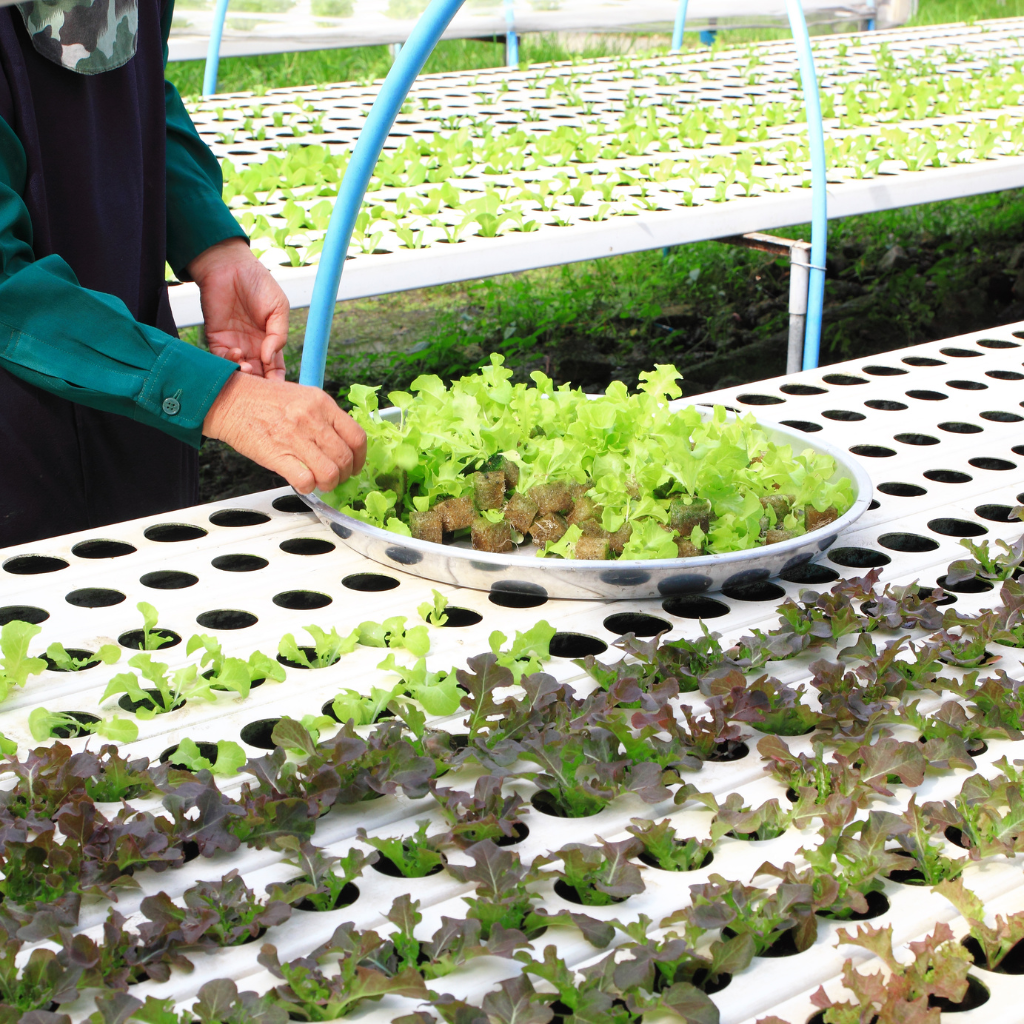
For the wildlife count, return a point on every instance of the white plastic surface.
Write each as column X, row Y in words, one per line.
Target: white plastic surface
column 850, row 390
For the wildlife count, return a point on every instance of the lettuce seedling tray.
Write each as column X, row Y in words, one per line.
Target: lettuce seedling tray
column 528, row 575
column 937, row 428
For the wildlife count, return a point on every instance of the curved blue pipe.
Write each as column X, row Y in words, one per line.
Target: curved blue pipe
column 819, row 185
column 220, row 12
column 677, row 31
column 511, row 37
column 407, row 66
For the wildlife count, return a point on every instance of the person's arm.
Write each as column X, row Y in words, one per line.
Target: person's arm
column 85, row 345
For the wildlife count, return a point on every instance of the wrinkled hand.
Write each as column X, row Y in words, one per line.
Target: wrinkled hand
column 244, row 308
column 294, row 430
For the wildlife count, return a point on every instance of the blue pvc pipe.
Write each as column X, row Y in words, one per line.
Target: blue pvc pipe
column 819, row 186
column 677, row 31
column 407, row 66
column 213, row 48
column 511, row 38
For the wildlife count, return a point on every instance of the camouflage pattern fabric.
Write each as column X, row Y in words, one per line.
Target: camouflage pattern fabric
column 84, row 36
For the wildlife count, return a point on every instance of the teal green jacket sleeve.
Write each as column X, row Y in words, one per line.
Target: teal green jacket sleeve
column 196, row 215
column 85, row 345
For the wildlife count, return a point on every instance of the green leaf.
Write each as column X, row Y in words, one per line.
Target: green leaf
column 16, row 664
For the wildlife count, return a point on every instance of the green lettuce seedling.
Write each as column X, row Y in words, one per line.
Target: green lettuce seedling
column 15, row 664
column 438, row 692
column 229, row 760
column 43, row 724
column 108, row 654
column 151, row 640
column 415, row 856
column 329, row 647
column 434, row 612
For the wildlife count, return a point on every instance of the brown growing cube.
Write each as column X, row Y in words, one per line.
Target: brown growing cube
column 550, row 527
column 815, row 520
column 489, row 490
column 684, row 517
column 393, row 481
column 620, row 538
column 578, row 490
column 520, row 512
column 593, row 549
column 686, row 549
column 506, row 466
column 456, row 513
column 778, row 536
column 584, row 509
column 553, row 497
column 426, row 525
column 782, row 503
column 493, row 537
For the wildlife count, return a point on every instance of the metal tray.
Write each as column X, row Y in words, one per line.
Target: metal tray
column 617, row 580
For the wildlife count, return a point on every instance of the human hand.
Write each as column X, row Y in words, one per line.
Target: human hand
column 244, row 308
column 291, row 429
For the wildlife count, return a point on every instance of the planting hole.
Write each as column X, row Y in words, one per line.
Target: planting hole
column 843, row 415
column 917, row 439
column 168, row 579
column 512, row 599
column 878, row 904
column 730, row 750
column 301, row 600
column 1004, row 374
column 995, row 513
column 348, row 895
column 997, row 465
column 844, row 379
column 961, row 428
column 309, row 652
column 94, row 597
column 23, row 613
column 226, row 618
column 575, row 645
column 328, row 710
column 69, row 731
column 636, row 623
column 859, row 558
column 966, row 385
column 872, row 451
column 996, row 343
column 949, row 527
column 885, row 406
column 900, row 490
column 239, row 563
column 802, row 389
column 884, row 371
column 33, row 565
column 927, row 396
column 760, row 399
column 571, row 894
column 257, row 734
column 651, row 862
column 151, row 701
column 947, row 476
column 809, row 572
column 1018, row 449
column 547, row 803
column 519, row 833
column 306, row 546
column 370, row 582
column 960, row 353
column 134, row 639
column 239, row 517
column 173, row 533
column 803, row 425
column 292, row 504
column 695, row 606
column 760, row 590
column 909, row 542
column 998, row 416
column 972, row 586
column 79, row 654
column 102, row 549
column 459, row 617
column 386, row 866
column 923, row 361
column 207, row 750
column 1012, row 963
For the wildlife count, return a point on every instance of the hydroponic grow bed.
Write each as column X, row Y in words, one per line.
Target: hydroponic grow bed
column 937, row 427
column 502, row 170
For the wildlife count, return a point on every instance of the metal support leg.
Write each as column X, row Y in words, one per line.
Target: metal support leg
column 799, row 255
column 511, row 39
column 396, row 49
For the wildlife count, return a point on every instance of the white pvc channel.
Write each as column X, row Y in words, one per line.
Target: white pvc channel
column 852, row 389
column 510, row 97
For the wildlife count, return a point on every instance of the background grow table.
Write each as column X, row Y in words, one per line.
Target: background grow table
column 613, row 216
column 938, row 426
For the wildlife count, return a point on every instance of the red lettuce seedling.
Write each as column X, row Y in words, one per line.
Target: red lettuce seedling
column 32, row 985
column 911, row 830
column 669, row 853
column 483, row 814
column 988, row 814
column 938, row 968
column 311, row 994
column 998, row 703
column 598, row 875
column 766, row 703
column 324, row 877
column 995, row 943
column 219, row 1002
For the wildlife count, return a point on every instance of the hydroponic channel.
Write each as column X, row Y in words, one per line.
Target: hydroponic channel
column 501, row 170
column 937, row 426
